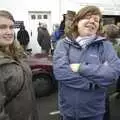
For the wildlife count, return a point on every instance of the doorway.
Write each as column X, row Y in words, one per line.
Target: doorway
column 36, row 17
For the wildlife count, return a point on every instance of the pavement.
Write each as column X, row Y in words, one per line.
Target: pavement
column 46, row 106
column 48, row 109
column 114, row 107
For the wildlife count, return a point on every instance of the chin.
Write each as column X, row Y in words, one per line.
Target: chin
column 90, row 34
column 8, row 43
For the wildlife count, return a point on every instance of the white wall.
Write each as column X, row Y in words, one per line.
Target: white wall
column 20, row 8
column 108, row 7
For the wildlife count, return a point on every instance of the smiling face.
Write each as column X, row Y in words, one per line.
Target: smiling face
column 6, row 31
column 89, row 25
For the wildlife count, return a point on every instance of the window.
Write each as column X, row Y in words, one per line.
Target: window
column 33, row 17
column 45, row 17
column 39, row 17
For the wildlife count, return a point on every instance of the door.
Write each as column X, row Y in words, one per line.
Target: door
column 35, row 17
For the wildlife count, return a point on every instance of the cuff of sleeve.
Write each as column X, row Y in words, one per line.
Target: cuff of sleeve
column 79, row 67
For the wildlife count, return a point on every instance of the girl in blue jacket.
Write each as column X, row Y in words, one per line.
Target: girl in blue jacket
column 84, row 64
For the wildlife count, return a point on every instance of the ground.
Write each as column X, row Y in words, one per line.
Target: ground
column 48, row 109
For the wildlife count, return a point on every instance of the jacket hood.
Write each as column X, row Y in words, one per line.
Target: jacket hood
column 5, row 59
column 98, row 39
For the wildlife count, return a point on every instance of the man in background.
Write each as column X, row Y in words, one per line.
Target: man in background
column 23, row 37
column 43, row 38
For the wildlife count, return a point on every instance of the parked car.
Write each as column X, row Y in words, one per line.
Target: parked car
column 43, row 79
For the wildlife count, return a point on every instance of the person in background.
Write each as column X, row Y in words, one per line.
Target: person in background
column 23, row 37
column 62, row 30
column 112, row 32
column 17, row 99
column 84, row 64
column 57, row 34
column 43, row 38
column 39, row 27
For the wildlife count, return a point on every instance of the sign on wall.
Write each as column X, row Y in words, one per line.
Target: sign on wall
column 18, row 23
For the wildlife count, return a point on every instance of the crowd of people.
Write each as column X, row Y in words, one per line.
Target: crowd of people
column 85, row 63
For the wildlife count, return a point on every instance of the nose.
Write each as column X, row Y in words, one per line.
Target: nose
column 9, row 30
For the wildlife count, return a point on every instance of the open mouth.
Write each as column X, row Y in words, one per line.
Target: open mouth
column 91, row 27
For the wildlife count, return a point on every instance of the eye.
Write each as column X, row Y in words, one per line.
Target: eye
column 6, row 26
column 96, row 20
column 11, row 27
column 87, row 17
column 3, row 26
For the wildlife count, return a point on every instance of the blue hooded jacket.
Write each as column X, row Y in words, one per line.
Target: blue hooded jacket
column 56, row 35
column 82, row 94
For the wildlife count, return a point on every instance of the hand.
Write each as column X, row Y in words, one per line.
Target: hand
column 75, row 67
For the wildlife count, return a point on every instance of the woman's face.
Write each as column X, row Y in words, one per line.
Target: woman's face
column 6, row 31
column 89, row 25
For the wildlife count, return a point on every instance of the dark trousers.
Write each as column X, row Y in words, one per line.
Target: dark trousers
column 118, row 88
column 118, row 85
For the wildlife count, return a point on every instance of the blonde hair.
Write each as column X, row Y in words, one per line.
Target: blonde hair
column 6, row 14
column 14, row 50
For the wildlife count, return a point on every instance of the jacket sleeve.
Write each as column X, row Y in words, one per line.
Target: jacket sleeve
column 105, row 73
column 62, row 70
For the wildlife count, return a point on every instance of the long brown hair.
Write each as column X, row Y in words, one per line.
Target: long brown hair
column 88, row 10
column 14, row 50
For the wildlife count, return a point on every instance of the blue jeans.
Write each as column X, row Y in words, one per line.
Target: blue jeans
column 99, row 117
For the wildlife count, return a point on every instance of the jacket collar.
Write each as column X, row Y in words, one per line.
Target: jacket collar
column 6, row 59
column 72, row 42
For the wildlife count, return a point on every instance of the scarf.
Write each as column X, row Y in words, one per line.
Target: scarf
column 85, row 41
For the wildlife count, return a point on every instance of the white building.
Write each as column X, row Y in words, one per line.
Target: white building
column 50, row 11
